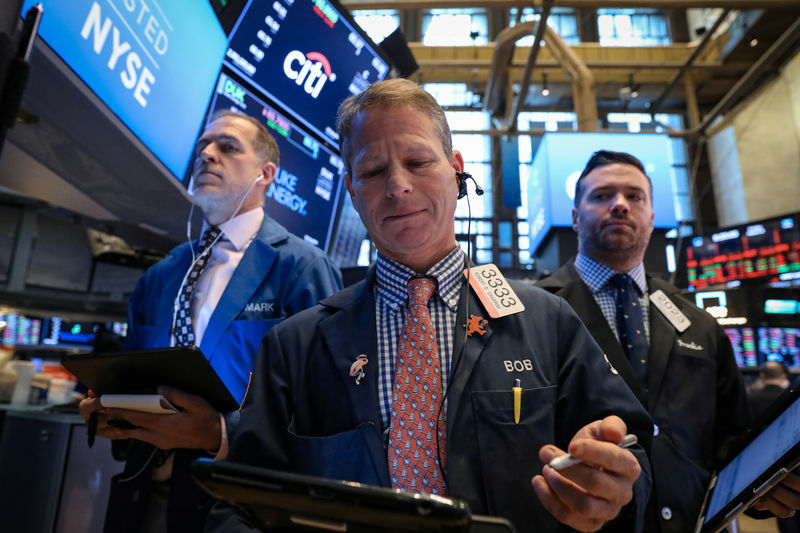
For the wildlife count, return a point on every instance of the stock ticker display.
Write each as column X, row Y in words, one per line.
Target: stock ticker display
column 768, row 251
column 306, row 55
column 305, row 194
column 23, row 330
column 744, row 346
column 779, row 344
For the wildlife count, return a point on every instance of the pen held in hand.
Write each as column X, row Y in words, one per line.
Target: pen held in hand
column 91, row 428
column 565, row 461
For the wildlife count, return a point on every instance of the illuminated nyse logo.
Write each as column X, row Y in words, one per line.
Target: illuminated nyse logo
column 141, row 26
column 311, row 70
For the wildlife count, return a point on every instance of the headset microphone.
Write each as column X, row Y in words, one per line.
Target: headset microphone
column 462, row 184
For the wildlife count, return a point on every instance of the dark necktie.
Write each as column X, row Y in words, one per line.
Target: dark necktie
column 416, row 398
column 184, row 331
column 630, row 325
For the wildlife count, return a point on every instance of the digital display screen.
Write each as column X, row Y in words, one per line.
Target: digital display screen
column 769, row 250
column 779, row 344
column 306, row 191
column 781, row 307
column 765, row 450
column 66, row 333
column 20, row 330
column 152, row 62
column 305, row 55
column 744, row 346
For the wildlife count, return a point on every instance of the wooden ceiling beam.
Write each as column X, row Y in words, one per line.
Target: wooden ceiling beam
column 662, row 4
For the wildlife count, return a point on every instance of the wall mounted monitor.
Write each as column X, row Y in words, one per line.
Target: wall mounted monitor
column 152, row 62
column 64, row 333
column 744, row 346
column 20, row 330
column 775, row 306
column 767, row 252
column 305, row 55
column 305, row 193
column 779, row 344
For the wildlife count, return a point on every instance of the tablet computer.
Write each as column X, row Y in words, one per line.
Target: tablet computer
column 769, row 452
column 268, row 499
column 142, row 371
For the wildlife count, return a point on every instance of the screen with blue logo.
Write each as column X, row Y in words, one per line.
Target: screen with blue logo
column 305, row 194
column 305, row 55
column 561, row 157
column 152, row 62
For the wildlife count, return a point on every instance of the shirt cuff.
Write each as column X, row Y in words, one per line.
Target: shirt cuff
column 222, row 452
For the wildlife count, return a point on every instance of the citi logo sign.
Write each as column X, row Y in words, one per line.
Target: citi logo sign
column 310, row 70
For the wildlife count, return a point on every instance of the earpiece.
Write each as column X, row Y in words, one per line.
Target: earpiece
column 259, row 177
column 462, row 184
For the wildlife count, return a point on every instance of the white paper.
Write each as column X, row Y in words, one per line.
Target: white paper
column 147, row 403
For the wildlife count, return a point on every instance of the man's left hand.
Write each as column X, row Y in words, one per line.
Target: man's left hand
column 587, row 495
column 196, row 425
column 784, row 498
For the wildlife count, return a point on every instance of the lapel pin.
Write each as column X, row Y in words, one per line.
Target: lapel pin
column 357, row 368
column 475, row 324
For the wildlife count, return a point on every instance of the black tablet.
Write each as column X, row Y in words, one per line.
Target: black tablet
column 771, row 450
column 142, row 371
column 268, row 499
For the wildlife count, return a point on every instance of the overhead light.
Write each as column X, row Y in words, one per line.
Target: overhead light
column 545, row 90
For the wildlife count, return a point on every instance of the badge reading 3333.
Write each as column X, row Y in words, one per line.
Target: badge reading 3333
column 493, row 290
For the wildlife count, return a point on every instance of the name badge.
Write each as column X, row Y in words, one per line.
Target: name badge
column 670, row 310
column 493, row 291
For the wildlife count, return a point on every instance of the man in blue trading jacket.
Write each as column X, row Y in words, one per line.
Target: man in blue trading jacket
column 256, row 275
column 685, row 373
column 336, row 387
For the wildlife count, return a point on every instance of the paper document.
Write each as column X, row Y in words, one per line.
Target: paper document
column 147, row 403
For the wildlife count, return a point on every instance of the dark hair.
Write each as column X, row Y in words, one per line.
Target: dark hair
column 263, row 143
column 603, row 158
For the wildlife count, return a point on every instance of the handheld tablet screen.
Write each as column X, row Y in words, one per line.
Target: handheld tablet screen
column 275, row 499
column 142, row 371
column 764, row 451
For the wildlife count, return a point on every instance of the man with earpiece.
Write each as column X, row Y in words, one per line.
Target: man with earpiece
column 424, row 379
column 222, row 293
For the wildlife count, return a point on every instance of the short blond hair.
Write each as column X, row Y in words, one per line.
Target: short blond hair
column 399, row 92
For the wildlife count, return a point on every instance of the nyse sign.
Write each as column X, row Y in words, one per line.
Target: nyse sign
column 154, row 63
column 134, row 75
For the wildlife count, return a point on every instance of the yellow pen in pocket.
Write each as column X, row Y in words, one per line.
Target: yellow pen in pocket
column 517, row 389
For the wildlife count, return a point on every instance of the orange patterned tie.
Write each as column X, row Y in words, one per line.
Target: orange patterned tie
column 416, row 399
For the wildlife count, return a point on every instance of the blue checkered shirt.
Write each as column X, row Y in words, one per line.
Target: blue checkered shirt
column 597, row 275
column 391, row 303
